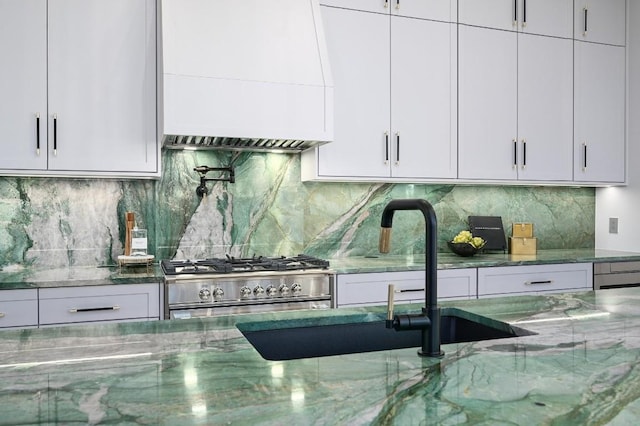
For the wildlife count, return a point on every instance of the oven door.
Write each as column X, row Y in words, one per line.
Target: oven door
column 202, row 312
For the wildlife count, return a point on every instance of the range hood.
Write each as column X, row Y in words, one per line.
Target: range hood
column 243, row 75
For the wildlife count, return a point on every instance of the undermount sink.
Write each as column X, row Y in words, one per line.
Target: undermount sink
column 290, row 342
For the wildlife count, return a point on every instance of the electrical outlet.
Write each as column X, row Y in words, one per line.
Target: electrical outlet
column 613, row 225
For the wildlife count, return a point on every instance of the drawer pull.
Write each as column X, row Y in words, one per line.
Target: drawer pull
column 1, row 314
column 539, row 282
column 107, row 308
column 409, row 290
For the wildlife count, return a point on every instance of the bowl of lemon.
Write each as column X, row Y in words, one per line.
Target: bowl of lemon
column 465, row 244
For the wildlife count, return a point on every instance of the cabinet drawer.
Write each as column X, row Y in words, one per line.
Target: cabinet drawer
column 372, row 289
column 534, row 279
column 18, row 308
column 100, row 303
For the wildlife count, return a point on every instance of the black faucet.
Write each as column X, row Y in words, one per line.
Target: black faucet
column 429, row 320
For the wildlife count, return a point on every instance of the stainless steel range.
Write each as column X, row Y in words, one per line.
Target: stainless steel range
column 220, row 286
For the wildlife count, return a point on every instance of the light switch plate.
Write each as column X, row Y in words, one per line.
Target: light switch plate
column 613, row 225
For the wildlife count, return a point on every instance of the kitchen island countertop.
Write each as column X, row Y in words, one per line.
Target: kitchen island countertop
column 581, row 368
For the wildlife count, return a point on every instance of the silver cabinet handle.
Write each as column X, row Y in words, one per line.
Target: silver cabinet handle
column 524, row 153
column 515, row 153
column 397, row 148
column 386, row 147
column 55, row 134
column 38, row 133
column 410, row 290
column 584, row 156
column 106, row 308
column 539, row 282
column 586, row 12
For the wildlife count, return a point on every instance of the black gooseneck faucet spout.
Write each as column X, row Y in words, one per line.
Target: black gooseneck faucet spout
column 429, row 320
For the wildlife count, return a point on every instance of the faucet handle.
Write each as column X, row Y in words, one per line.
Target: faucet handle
column 390, row 297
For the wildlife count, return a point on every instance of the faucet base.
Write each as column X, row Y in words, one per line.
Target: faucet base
column 431, row 355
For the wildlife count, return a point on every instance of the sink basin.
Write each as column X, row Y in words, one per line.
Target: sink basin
column 277, row 342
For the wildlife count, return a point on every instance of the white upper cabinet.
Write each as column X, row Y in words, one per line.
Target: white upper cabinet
column 544, row 17
column 395, row 99
column 361, row 77
column 599, row 146
column 90, row 75
column 488, row 104
column 515, row 106
column 439, row 10
column 601, row 21
column 23, row 84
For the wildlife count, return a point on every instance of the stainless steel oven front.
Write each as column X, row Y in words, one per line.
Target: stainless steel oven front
column 192, row 296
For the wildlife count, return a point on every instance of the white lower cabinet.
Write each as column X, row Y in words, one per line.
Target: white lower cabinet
column 123, row 302
column 19, row 308
column 534, row 279
column 372, row 288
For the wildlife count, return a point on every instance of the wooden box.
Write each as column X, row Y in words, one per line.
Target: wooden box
column 522, row 230
column 520, row 245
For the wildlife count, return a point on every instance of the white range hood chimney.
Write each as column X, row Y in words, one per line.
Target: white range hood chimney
column 244, row 74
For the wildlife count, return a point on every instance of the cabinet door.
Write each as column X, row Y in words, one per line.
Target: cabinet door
column 439, row 10
column 102, row 85
column 534, row 279
column 545, row 108
column 19, row 308
column 499, row 14
column 599, row 144
column 601, row 21
column 546, row 17
column 23, row 84
column 378, row 6
column 121, row 302
column 423, row 107
column 372, row 288
column 487, row 110
column 361, row 75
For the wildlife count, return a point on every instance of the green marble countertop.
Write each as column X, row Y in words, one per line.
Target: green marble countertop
column 387, row 263
column 581, row 368
column 26, row 277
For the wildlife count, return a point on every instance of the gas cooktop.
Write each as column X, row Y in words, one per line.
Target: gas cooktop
column 240, row 265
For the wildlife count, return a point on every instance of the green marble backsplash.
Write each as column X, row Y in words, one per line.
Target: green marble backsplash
column 55, row 222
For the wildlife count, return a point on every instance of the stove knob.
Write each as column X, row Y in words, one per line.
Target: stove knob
column 284, row 290
column 272, row 291
column 218, row 293
column 245, row 292
column 296, row 289
column 204, row 294
column 258, row 290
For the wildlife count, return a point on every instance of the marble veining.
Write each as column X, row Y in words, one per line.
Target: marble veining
column 581, row 368
column 58, row 222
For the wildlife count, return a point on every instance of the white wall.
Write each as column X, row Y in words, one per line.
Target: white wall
column 624, row 202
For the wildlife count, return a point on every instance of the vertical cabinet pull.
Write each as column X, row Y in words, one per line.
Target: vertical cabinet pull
column 515, row 12
column 38, row 133
column 55, row 134
column 386, row 147
column 397, row 4
column 524, row 13
column 586, row 26
column 515, row 153
column 397, row 147
column 386, row 4
column 584, row 156
column 524, row 153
